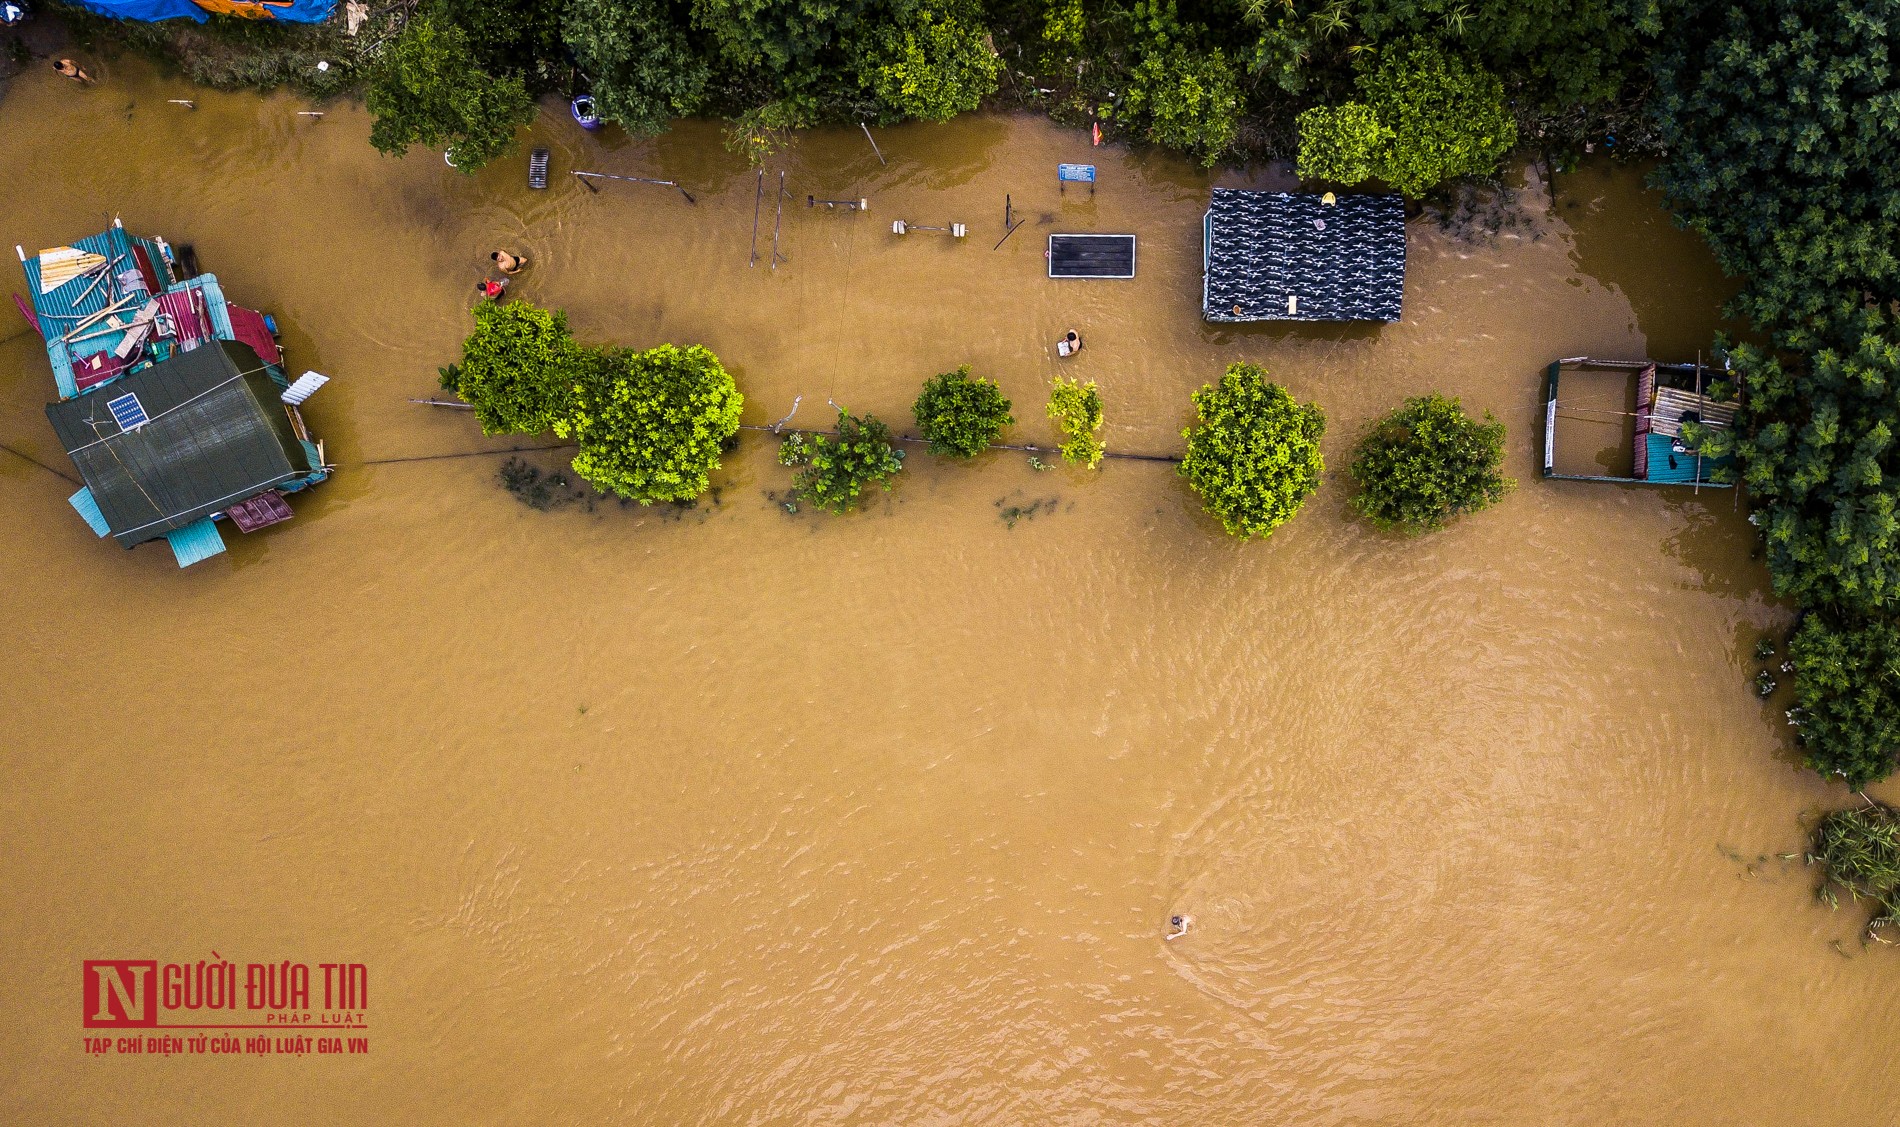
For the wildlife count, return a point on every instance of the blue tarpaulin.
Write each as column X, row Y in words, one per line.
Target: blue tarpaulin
column 295, row 11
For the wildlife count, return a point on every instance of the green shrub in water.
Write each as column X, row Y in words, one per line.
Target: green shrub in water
column 959, row 416
column 1859, row 851
column 1254, row 456
column 1847, row 679
column 1076, row 409
column 651, row 424
column 834, row 469
column 1428, row 462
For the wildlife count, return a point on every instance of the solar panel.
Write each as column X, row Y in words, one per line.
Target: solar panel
column 128, row 411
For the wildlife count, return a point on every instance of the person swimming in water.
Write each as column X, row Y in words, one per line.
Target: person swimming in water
column 508, row 263
column 1180, row 924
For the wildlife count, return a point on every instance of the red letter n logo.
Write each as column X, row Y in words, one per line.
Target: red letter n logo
column 119, row 993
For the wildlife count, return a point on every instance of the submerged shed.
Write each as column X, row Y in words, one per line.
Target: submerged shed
column 1279, row 256
column 167, row 446
column 174, row 403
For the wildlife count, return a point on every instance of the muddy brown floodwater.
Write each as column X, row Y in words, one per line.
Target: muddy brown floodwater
column 745, row 817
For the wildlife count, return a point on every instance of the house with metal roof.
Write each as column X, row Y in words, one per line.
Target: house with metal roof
column 174, row 404
column 1281, row 256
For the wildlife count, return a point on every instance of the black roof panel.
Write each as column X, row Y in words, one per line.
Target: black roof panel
column 1343, row 261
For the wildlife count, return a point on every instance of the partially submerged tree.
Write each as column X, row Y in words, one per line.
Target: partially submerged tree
column 518, row 38
column 1426, row 117
column 958, row 415
column 1076, row 410
column 932, row 66
column 1341, row 143
column 1847, row 679
column 1782, row 152
column 651, row 424
column 1187, row 100
column 1448, row 118
column 644, row 68
column 1815, row 441
column 833, row 470
column 1428, row 462
column 1254, row 456
column 517, row 368
column 429, row 90
column 1559, row 55
column 1858, row 850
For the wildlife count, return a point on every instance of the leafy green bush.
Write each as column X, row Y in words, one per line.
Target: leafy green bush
column 651, row 424
column 1341, row 143
column 764, row 130
column 1859, row 854
column 959, row 416
column 1447, row 117
column 1428, row 462
column 1847, row 678
column 934, row 66
column 1254, row 456
column 517, row 368
column 1076, row 409
column 1063, row 24
column 834, row 470
column 645, row 71
column 1189, row 99
column 430, row 91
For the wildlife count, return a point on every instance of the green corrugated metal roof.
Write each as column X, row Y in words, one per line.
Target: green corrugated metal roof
column 216, row 434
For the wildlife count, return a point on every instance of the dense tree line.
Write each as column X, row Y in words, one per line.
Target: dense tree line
column 1447, row 82
column 1779, row 116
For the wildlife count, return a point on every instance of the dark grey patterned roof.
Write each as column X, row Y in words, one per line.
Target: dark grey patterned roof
column 1263, row 247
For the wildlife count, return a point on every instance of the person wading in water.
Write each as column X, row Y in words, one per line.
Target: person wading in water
column 509, row 263
column 71, row 70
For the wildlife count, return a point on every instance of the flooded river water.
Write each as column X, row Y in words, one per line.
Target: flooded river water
column 745, row 817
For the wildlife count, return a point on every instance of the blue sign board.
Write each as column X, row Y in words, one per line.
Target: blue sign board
column 1080, row 173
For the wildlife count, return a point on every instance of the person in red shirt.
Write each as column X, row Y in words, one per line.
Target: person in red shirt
column 492, row 288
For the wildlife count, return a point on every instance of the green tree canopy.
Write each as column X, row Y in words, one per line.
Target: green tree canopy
column 936, row 64
column 1343, row 143
column 518, row 38
column 1778, row 120
column 645, row 70
column 1815, row 441
column 796, row 49
column 1076, row 410
column 518, row 367
column 651, row 424
column 1428, row 462
column 1189, row 99
column 1563, row 54
column 960, row 416
column 834, row 469
column 1447, row 117
column 1254, row 455
column 1847, row 678
column 429, row 90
